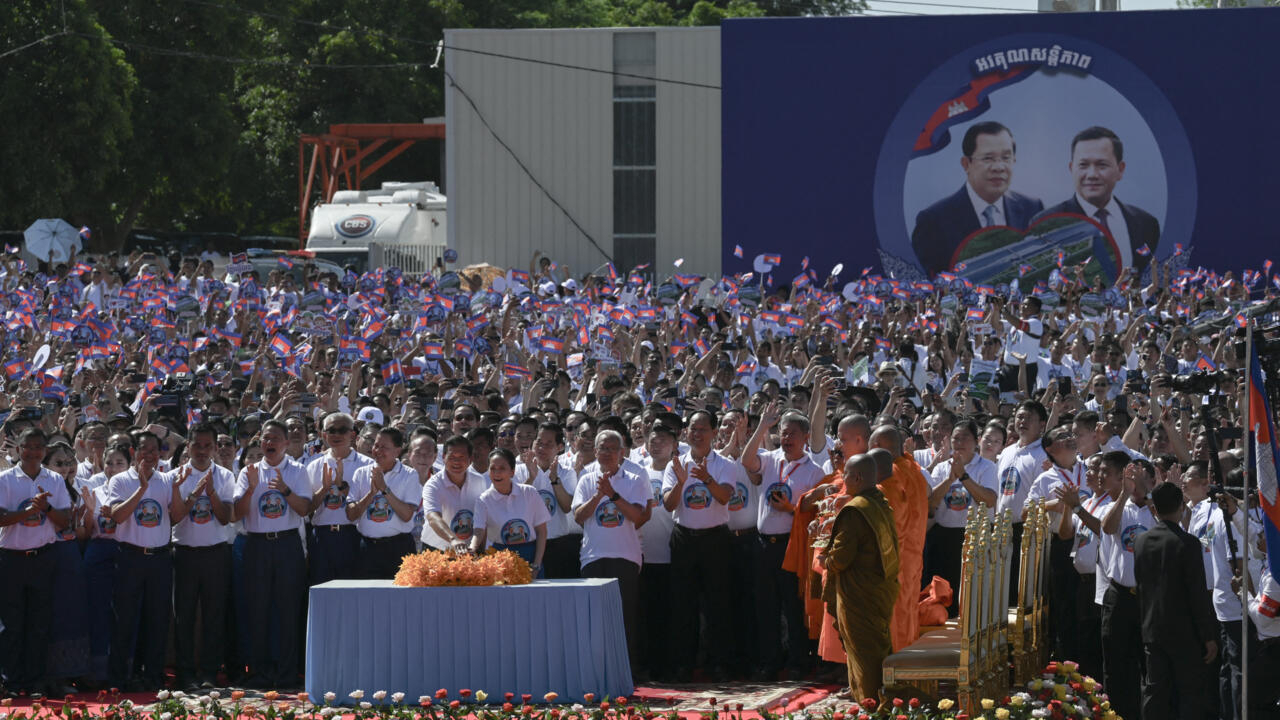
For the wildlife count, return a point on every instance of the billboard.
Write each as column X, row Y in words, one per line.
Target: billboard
column 1001, row 146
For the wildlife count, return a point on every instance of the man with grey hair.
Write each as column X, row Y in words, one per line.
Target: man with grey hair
column 334, row 544
column 786, row 474
column 612, row 505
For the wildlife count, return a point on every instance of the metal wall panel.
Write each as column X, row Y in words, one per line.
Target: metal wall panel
column 559, row 122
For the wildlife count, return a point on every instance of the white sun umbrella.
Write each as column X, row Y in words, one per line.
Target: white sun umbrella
column 52, row 240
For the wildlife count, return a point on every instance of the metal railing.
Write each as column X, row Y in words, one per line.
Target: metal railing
column 411, row 259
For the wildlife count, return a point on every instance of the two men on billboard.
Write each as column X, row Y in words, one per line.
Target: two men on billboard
column 1097, row 164
column 985, row 200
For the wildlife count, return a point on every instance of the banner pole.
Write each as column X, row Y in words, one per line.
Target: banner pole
column 1250, row 451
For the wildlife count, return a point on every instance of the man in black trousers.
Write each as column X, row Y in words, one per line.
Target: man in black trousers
column 1178, row 628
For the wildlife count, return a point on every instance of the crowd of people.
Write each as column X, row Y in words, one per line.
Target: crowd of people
column 199, row 448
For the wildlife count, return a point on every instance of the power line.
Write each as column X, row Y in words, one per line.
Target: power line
column 950, row 5
column 252, row 61
column 33, row 43
column 892, row 12
column 484, row 121
column 584, row 68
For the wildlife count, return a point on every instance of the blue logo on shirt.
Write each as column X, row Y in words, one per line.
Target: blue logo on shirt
column 201, row 511
column 515, row 532
column 271, row 505
column 1129, row 536
column 607, row 515
column 1010, row 482
column 463, row 524
column 657, row 490
column 380, row 509
column 147, row 514
column 697, row 497
column 957, row 498
column 35, row 520
column 738, row 500
column 549, row 499
column 780, row 491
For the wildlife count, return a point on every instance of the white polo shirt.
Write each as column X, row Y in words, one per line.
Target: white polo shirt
column 269, row 510
column 1043, row 486
column 380, row 520
column 149, row 525
column 608, row 533
column 1116, row 550
column 457, row 505
column 1017, row 467
column 102, row 526
column 513, row 518
column 16, row 491
column 1085, row 551
column 333, row 506
column 199, row 528
column 788, row 478
column 744, row 503
column 559, row 523
column 953, row 511
column 697, row 508
column 655, row 536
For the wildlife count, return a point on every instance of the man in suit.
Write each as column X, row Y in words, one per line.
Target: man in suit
column 1097, row 164
column 1178, row 627
column 985, row 200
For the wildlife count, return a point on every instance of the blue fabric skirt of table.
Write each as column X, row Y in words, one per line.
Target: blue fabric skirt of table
column 562, row 636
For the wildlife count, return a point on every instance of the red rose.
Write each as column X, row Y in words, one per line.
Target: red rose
column 508, row 707
column 589, row 697
column 455, row 704
column 442, row 694
column 915, row 702
column 869, row 704
column 623, row 700
column 525, row 698
column 509, row 697
column 464, row 692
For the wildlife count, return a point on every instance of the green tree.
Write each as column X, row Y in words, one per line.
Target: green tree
column 68, row 106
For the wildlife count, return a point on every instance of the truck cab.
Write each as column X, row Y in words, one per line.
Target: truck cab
column 401, row 224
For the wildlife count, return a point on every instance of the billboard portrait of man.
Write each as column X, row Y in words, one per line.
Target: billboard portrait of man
column 989, row 153
column 1097, row 165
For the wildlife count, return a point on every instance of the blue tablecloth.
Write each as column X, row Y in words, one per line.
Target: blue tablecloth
column 562, row 636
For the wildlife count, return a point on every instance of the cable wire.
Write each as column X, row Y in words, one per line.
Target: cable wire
column 963, row 7
column 484, row 121
column 33, row 43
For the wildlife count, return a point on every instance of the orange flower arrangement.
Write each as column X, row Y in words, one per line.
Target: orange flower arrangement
column 436, row 569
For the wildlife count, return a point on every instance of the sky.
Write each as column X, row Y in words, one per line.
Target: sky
column 967, row 7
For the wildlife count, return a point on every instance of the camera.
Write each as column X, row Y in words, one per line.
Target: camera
column 1201, row 382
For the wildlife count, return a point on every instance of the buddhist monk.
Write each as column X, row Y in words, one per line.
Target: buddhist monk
column 862, row 576
column 907, row 492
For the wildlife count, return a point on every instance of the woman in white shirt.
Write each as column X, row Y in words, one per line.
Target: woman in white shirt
column 100, row 556
column 510, row 516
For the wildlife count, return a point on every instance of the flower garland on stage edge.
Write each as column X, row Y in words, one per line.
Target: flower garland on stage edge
column 436, row 569
column 1061, row 693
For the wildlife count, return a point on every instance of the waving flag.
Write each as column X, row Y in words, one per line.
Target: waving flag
column 551, row 345
column 16, row 368
column 433, row 349
column 513, row 370
column 1204, row 363
column 281, row 345
column 773, row 259
column 392, row 374
column 1143, row 250
column 737, row 251
column 1260, row 420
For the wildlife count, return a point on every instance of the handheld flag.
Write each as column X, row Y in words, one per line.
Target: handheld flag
column 737, row 251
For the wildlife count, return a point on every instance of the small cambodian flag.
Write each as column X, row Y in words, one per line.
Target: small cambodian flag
column 737, row 251
column 773, row 259
column 1143, row 250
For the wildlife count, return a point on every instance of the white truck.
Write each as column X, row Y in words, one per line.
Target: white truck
column 402, row 224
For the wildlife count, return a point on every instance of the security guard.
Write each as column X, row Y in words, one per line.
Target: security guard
column 201, row 559
column 389, row 495
column 143, row 500
column 34, row 507
column 271, row 497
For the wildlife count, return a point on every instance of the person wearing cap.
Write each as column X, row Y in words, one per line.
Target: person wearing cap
column 1179, row 631
column 201, row 559
column 143, row 501
column 333, row 546
column 271, row 498
column 449, row 499
column 34, row 508
column 384, row 497
column 370, row 414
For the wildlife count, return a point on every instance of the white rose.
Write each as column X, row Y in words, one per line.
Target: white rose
column 380, row 695
column 356, row 694
column 397, row 698
column 215, row 694
column 330, row 696
column 365, row 705
column 162, row 695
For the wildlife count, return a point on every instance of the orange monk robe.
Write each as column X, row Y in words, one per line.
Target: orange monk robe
column 800, row 557
column 908, row 495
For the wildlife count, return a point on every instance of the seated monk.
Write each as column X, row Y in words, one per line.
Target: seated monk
column 907, row 492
